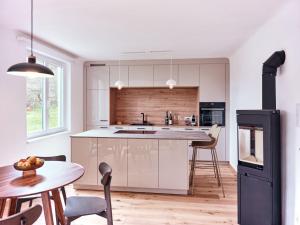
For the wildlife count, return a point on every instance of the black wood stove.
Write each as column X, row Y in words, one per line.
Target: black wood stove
column 259, row 170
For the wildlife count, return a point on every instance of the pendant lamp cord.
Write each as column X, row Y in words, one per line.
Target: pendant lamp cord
column 31, row 37
column 119, row 68
column 171, row 67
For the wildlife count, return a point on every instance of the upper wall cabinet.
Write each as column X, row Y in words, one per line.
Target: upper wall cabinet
column 141, row 76
column 188, row 75
column 212, row 83
column 97, row 77
column 114, row 75
column 162, row 73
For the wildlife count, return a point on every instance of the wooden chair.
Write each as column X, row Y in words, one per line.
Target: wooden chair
column 28, row 217
column 214, row 134
column 78, row 206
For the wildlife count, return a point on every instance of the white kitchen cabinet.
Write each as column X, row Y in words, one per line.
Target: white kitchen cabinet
column 97, row 77
column 165, row 128
column 162, row 73
column 221, row 146
column 114, row 152
column 186, row 129
column 84, row 152
column 119, row 127
column 97, row 112
column 188, row 75
column 212, row 83
column 141, row 76
column 92, row 127
column 140, row 128
column 114, row 75
column 173, row 174
column 143, row 163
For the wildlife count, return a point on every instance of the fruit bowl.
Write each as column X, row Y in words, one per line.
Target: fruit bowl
column 29, row 165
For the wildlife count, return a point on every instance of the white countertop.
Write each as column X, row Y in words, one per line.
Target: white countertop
column 173, row 135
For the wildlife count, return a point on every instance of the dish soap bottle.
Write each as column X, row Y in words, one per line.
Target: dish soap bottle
column 170, row 119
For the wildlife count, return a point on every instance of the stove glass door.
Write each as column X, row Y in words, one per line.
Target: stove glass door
column 250, row 141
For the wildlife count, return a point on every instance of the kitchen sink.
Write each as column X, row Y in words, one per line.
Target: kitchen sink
column 135, row 132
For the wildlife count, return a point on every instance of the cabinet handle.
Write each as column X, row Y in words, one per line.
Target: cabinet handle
column 103, row 120
column 204, row 128
column 189, row 129
column 119, row 127
column 141, row 128
column 103, row 127
column 165, row 128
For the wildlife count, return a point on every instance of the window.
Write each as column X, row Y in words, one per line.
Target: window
column 45, row 101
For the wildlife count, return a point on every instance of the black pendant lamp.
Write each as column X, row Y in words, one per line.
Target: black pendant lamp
column 30, row 68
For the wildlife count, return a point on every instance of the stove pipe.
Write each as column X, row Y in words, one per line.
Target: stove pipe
column 269, row 79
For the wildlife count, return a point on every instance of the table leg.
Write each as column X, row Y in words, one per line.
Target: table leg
column 12, row 206
column 2, row 206
column 58, row 207
column 47, row 208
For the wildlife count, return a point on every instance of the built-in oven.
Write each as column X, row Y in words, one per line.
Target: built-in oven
column 212, row 113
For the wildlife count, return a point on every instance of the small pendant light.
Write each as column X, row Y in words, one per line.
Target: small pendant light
column 171, row 82
column 119, row 84
column 31, row 68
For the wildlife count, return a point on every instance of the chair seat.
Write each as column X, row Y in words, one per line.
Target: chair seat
column 81, row 206
column 203, row 144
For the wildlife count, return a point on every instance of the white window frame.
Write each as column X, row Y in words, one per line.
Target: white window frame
column 63, row 94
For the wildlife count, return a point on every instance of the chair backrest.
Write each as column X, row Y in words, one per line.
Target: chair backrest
column 215, row 134
column 212, row 128
column 27, row 217
column 61, row 158
column 106, row 171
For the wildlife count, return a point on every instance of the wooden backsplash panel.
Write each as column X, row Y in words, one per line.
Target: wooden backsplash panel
column 128, row 103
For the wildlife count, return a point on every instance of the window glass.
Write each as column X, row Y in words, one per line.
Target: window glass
column 54, row 100
column 34, row 105
column 45, row 101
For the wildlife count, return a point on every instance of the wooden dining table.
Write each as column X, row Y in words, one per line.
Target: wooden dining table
column 47, row 182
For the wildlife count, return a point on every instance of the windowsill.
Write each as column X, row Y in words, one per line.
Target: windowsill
column 36, row 139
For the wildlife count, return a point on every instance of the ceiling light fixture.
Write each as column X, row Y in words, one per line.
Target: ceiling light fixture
column 171, row 82
column 30, row 68
column 119, row 84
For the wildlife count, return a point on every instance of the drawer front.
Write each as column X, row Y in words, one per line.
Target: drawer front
column 119, row 127
column 186, row 129
column 140, row 128
column 163, row 128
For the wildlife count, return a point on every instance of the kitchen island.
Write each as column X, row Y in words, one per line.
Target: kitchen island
column 142, row 161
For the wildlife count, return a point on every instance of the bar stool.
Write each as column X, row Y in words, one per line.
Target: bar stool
column 214, row 134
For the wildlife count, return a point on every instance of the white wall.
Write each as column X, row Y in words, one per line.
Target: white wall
column 13, row 141
column 280, row 32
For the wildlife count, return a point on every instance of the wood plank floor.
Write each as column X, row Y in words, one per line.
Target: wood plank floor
column 206, row 207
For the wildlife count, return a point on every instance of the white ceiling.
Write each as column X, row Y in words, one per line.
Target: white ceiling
column 101, row 29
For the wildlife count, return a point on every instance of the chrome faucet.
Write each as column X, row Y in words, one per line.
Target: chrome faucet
column 143, row 115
